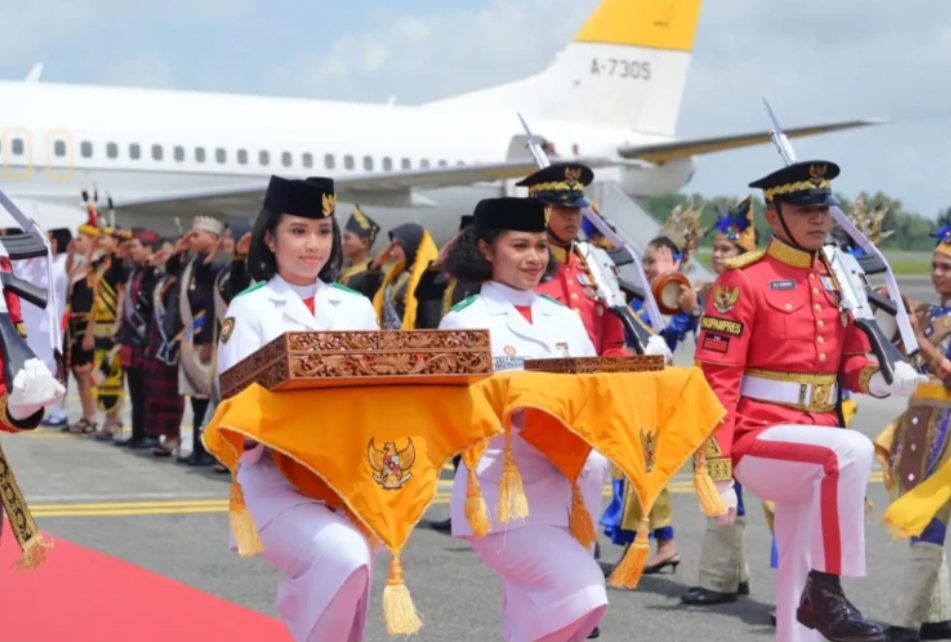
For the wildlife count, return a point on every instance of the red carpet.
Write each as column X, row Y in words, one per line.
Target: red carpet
column 81, row 594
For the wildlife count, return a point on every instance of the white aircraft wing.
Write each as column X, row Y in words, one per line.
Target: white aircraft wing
column 246, row 198
column 664, row 152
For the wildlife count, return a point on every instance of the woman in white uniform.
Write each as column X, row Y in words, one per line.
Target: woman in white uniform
column 294, row 256
column 552, row 587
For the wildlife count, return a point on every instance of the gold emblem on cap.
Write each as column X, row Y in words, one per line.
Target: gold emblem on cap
column 329, row 204
column 817, row 173
column 361, row 218
column 572, row 174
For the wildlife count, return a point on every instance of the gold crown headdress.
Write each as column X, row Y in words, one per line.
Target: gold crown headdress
column 870, row 223
column 683, row 227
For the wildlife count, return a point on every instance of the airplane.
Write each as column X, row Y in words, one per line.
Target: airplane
column 610, row 98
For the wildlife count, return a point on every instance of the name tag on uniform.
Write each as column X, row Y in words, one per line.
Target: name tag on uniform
column 782, row 285
column 562, row 349
column 508, row 363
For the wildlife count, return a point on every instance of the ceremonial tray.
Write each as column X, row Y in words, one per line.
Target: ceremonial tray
column 298, row 360
column 594, row 365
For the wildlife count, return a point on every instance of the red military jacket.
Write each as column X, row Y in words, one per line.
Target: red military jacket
column 572, row 287
column 774, row 315
column 16, row 318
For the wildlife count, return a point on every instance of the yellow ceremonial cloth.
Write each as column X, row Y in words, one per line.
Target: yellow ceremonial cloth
column 648, row 424
column 340, row 445
column 909, row 515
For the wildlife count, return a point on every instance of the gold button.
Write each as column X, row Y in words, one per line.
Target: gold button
column 788, row 306
column 815, row 290
column 812, row 275
column 822, row 356
column 817, row 308
column 820, row 323
column 820, row 340
column 574, row 296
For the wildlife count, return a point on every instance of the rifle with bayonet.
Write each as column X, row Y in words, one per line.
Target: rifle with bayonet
column 853, row 282
column 603, row 272
column 32, row 243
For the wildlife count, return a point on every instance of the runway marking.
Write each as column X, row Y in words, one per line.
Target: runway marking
column 208, row 506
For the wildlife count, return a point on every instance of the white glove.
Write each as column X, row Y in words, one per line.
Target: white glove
column 728, row 495
column 657, row 345
column 34, row 388
column 905, row 382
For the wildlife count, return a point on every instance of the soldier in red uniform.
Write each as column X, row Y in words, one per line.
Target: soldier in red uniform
column 776, row 346
column 561, row 187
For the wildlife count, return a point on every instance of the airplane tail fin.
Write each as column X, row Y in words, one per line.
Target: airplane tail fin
column 625, row 68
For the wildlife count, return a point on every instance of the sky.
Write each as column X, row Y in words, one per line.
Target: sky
column 815, row 60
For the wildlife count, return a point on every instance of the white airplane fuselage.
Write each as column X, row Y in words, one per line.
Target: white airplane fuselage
column 57, row 140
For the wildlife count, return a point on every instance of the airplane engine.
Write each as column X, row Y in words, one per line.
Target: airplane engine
column 641, row 179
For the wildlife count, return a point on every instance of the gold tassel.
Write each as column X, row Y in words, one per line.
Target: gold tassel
column 35, row 552
column 476, row 512
column 512, row 501
column 246, row 535
column 707, row 494
column 398, row 608
column 579, row 521
column 628, row 571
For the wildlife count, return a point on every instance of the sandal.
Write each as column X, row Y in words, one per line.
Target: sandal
column 81, row 427
column 168, row 448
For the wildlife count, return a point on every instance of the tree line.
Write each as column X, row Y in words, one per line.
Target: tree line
column 911, row 231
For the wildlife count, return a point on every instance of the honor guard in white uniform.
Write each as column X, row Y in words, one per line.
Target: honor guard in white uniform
column 325, row 560
column 553, row 589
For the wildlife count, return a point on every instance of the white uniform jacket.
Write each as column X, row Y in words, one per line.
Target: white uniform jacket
column 555, row 331
column 264, row 312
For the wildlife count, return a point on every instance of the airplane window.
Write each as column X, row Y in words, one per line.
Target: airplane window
column 263, row 157
column 157, row 152
column 179, row 152
column 220, row 155
column 329, row 161
column 200, row 154
column 424, row 164
column 406, row 164
column 243, row 156
column 387, row 164
column 348, row 161
column 368, row 163
column 16, row 146
column 286, row 159
column 59, row 148
column 443, row 163
column 112, row 150
column 134, row 151
column 85, row 148
column 460, row 163
column 307, row 159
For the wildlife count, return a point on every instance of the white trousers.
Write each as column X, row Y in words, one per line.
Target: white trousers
column 552, row 587
column 817, row 476
column 325, row 560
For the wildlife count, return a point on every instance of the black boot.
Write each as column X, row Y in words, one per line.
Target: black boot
column 824, row 608
column 935, row 630
column 899, row 634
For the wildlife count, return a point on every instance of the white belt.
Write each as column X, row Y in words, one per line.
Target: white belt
column 817, row 397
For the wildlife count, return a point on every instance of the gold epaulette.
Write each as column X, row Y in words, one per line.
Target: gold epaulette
column 743, row 260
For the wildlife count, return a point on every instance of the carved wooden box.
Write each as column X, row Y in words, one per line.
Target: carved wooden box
column 298, row 360
column 596, row 365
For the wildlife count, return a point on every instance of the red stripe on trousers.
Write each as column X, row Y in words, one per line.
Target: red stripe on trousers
column 828, row 489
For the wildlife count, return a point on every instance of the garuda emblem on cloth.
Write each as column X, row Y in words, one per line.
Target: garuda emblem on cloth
column 391, row 466
column 725, row 298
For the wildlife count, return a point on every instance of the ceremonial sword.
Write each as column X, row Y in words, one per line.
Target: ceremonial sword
column 604, row 273
column 852, row 278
